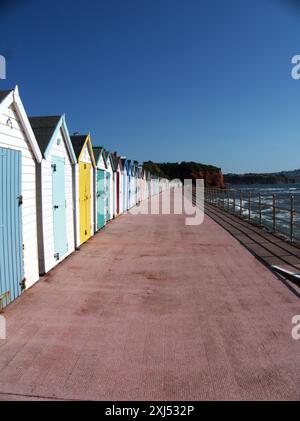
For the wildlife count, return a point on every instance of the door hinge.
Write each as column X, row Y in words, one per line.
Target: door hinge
column 23, row 284
column 53, row 166
column 20, row 200
column 85, row 232
column 56, row 256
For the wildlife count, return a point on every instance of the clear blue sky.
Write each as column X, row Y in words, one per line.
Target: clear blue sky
column 166, row 80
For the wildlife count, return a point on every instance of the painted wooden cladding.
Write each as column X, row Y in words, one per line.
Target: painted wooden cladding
column 14, row 137
column 110, row 200
column 118, row 185
column 108, row 195
column 48, row 234
column 11, row 256
column 101, row 202
column 125, row 191
column 59, row 208
column 85, row 207
column 85, row 201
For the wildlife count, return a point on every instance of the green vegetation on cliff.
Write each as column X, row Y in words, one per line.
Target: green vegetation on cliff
column 261, row 178
column 186, row 170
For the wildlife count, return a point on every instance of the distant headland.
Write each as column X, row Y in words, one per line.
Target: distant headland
column 282, row 177
column 212, row 175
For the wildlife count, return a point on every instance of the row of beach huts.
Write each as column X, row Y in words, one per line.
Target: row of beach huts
column 56, row 191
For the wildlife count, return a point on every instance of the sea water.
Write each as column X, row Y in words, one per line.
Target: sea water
column 282, row 192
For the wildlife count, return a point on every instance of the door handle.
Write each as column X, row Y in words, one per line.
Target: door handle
column 56, row 207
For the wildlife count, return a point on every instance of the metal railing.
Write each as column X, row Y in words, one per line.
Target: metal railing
column 277, row 213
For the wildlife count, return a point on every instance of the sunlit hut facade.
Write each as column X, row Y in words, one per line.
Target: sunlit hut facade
column 132, row 184
column 100, row 187
column 117, row 184
column 19, row 156
column 146, row 182
column 125, row 178
column 84, row 187
column 140, row 183
column 56, row 202
column 136, row 176
column 109, row 187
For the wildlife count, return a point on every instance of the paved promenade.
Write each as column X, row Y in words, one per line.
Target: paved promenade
column 151, row 309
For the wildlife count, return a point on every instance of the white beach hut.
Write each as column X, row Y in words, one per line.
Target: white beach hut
column 117, row 168
column 56, row 228
column 100, row 186
column 19, row 155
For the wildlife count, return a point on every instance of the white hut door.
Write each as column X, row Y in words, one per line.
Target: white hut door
column 59, row 207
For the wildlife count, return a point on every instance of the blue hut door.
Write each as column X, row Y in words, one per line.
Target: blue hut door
column 59, row 207
column 100, row 199
column 108, row 198
column 11, row 255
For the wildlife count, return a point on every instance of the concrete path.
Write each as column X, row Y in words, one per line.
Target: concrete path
column 151, row 309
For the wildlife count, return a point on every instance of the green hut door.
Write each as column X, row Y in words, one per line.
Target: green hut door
column 100, row 199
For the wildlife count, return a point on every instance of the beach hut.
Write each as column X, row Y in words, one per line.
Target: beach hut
column 109, row 187
column 136, row 182
column 129, row 165
column 125, row 175
column 55, row 199
column 132, row 184
column 146, row 184
column 84, row 187
column 149, row 184
column 100, row 193
column 117, row 184
column 142, row 183
column 19, row 156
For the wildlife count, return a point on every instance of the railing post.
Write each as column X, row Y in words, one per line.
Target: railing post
column 292, row 219
column 228, row 193
column 241, row 203
column 274, row 213
column 259, row 208
column 223, row 197
column 249, row 206
column 234, row 197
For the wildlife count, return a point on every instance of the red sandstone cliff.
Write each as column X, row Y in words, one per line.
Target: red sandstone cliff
column 212, row 178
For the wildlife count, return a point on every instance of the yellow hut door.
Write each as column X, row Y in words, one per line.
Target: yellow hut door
column 85, row 201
